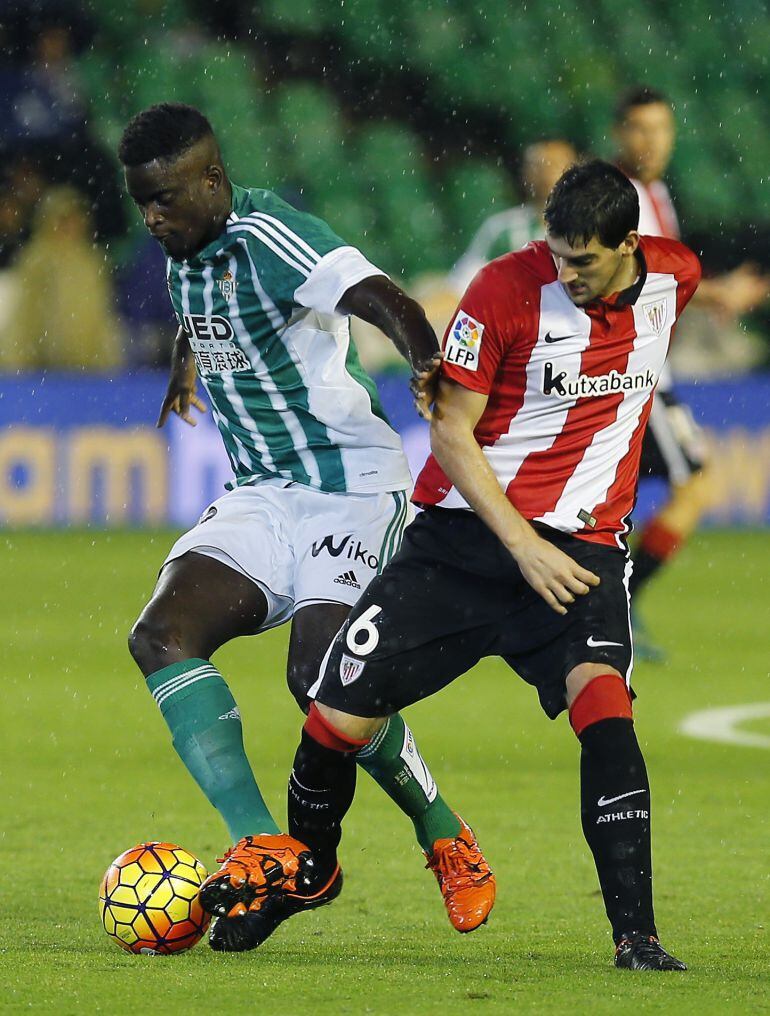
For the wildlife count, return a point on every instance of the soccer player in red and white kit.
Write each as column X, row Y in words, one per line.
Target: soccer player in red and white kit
column 673, row 449
column 546, row 385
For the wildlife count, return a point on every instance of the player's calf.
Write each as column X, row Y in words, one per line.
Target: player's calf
column 615, row 804
column 321, row 787
column 321, row 790
column 275, row 877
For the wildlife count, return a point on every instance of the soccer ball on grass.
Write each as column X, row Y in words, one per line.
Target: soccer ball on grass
column 148, row 900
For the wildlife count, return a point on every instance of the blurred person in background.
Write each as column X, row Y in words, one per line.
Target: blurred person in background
column 21, row 187
column 543, row 162
column 44, row 111
column 674, row 448
column 144, row 307
column 63, row 316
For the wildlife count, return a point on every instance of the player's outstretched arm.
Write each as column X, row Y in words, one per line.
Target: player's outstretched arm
column 736, row 293
column 551, row 573
column 381, row 303
column 180, row 394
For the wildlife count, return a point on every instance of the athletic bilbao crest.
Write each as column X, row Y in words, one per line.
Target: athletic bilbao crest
column 350, row 669
column 227, row 285
column 655, row 314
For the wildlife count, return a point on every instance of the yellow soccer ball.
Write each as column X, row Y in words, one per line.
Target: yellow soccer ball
column 148, row 900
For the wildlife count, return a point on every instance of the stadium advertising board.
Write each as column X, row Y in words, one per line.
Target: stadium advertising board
column 77, row 451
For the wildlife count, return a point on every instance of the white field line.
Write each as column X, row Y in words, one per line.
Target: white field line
column 722, row 725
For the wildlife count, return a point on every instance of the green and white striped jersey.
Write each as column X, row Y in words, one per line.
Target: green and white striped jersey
column 288, row 393
column 500, row 234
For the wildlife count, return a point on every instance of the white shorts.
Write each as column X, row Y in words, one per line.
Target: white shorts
column 299, row 545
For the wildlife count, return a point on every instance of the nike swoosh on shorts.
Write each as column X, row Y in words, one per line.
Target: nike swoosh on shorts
column 593, row 643
column 611, row 800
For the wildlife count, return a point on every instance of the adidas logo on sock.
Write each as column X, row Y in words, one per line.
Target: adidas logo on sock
column 233, row 714
column 348, row 579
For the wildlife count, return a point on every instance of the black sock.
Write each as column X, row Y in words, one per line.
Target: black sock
column 645, row 566
column 321, row 789
column 615, row 810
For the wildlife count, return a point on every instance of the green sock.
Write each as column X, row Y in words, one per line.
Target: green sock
column 391, row 758
column 206, row 729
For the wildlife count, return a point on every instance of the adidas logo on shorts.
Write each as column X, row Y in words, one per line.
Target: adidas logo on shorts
column 348, row 578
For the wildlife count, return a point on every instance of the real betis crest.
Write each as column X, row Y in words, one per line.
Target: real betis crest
column 227, row 285
column 656, row 314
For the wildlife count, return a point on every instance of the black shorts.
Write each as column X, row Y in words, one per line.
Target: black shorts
column 673, row 447
column 453, row 595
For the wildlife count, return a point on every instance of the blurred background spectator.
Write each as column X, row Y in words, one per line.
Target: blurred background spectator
column 62, row 315
column 44, row 108
column 543, row 162
column 401, row 123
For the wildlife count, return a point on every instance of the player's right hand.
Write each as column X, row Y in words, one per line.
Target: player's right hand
column 424, row 385
column 180, row 395
column 556, row 576
column 741, row 290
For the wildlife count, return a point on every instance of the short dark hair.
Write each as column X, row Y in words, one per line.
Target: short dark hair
column 592, row 199
column 639, row 95
column 164, row 131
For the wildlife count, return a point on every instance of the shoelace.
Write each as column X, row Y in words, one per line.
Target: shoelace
column 647, row 947
column 458, row 853
column 232, row 850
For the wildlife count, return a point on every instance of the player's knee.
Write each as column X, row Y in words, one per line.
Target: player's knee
column 151, row 639
column 357, row 729
column 601, row 696
column 301, row 675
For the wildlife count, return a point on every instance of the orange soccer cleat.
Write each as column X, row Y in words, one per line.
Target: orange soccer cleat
column 464, row 878
column 254, row 867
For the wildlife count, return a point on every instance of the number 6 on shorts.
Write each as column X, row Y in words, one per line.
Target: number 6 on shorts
column 364, row 624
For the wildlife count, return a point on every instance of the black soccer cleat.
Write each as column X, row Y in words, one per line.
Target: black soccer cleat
column 638, row 951
column 239, row 934
column 253, row 866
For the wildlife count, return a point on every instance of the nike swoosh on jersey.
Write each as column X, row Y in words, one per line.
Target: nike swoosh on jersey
column 556, row 338
column 611, row 800
column 593, row 643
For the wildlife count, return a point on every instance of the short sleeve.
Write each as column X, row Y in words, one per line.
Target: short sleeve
column 488, row 243
column 332, row 277
column 687, row 277
column 476, row 339
column 298, row 259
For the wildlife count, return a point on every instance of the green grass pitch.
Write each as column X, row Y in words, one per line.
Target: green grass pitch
column 88, row 770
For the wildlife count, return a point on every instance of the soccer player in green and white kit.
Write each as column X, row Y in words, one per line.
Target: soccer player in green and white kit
column 263, row 293
column 542, row 163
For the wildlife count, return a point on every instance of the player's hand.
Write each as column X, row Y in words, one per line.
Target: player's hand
column 741, row 290
column 180, row 394
column 556, row 576
column 424, row 385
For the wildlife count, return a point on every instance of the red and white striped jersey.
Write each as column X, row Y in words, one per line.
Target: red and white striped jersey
column 657, row 215
column 570, row 388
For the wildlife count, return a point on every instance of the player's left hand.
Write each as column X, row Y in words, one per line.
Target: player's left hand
column 424, row 385
column 741, row 290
